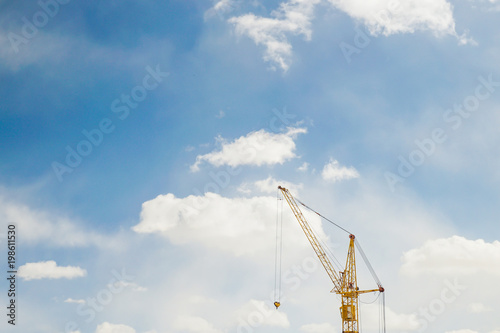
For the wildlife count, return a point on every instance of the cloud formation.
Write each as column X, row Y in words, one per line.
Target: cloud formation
column 291, row 18
column 241, row 226
column 114, row 328
column 256, row 148
column 76, row 301
column 220, row 7
column 270, row 185
column 389, row 17
column 49, row 270
column 381, row 17
column 454, row 255
column 333, row 172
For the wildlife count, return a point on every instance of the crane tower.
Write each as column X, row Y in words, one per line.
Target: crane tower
column 344, row 283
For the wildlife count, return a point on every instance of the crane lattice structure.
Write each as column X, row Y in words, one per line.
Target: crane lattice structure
column 345, row 283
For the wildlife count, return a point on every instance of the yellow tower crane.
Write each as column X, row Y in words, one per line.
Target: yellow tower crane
column 345, row 283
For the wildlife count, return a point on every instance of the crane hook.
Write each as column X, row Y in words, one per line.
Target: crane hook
column 277, row 305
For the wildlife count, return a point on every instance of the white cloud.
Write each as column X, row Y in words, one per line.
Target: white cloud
column 77, row 301
column 304, row 167
column 241, row 226
column 390, row 17
column 220, row 7
column 318, row 328
column 113, row 328
column 292, row 18
column 270, row 185
column 256, row 148
column 223, row 5
column 333, row 172
column 454, row 255
column 478, row 308
column 123, row 284
column 245, row 188
column 462, row 331
column 386, row 17
column 195, row 325
column 49, row 270
column 212, row 220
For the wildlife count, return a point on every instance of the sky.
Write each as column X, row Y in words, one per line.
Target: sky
column 142, row 144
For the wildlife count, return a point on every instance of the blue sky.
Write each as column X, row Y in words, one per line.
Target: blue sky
column 380, row 115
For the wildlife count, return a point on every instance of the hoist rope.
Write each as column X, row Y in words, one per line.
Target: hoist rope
column 383, row 312
column 359, row 322
column 279, row 247
column 380, row 315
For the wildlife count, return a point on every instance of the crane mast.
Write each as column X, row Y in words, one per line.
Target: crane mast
column 345, row 283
